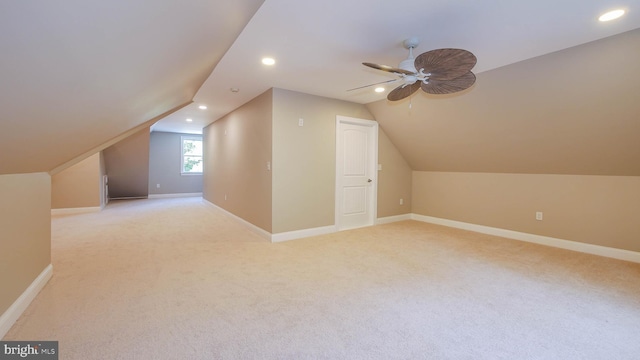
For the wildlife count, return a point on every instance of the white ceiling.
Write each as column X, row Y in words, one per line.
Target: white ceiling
column 319, row 45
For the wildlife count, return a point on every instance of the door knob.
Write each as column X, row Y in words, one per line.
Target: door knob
column 369, row 180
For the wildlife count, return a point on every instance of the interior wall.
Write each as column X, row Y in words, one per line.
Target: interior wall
column 237, row 149
column 304, row 158
column 394, row 179
column 600, row 210
column 127, row 166
column 25, row 232
column 165, row 161
column 78, row 186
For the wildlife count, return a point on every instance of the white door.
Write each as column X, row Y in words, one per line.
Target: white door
column 356, row 172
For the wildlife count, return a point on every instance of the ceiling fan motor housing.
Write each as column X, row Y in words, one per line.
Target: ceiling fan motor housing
column 410, row 79
column 408, row 64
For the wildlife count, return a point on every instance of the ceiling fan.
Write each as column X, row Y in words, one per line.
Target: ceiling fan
column 440, row 71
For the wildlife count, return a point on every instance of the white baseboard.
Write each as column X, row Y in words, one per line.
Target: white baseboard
column 176, row 195
column 614, row 253
column 20, row 305
column 298, row 234
column 73, row 211
column 392, row 219
column 249, row 226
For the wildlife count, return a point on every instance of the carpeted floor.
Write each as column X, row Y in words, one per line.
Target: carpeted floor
column 177, row 279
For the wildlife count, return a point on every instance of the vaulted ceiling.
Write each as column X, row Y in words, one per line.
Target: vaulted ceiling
column 319, row 46
column 75, row 74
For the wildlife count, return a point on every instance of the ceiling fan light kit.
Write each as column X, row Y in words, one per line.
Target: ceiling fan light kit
column 440, row 71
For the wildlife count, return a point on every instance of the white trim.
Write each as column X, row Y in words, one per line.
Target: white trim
column 249, row 226
column 609, row 252
column 392, row 219
column 72, row 211
column 194, row 137
column 299, row 234
column 176, row 195
column 20, row 305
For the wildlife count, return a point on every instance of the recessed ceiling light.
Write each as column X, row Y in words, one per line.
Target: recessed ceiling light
column 189, row 120
column 268, row 61
column 611, row 15
column 202, row 107
column 379, row 89
column 234, row 89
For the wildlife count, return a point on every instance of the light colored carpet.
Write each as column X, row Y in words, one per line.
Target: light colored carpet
column 177, row 279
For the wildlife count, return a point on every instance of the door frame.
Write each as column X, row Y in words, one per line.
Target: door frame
column 373, row 165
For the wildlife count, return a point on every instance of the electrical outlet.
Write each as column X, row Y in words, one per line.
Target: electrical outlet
column 401, row 201
column 301, row 122
column 157, row 186
column 539, row 215
column 225, row 196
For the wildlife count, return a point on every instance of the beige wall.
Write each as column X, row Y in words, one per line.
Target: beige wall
column 304, row 158
column 601, row 210
column 25, row 232
column 127, row 165
column 78, row 186
column 394, row 180
column 236, row 151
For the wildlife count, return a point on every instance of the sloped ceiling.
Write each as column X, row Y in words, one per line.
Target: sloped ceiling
column 319, row 46
column 77, row 73
column 575, row 111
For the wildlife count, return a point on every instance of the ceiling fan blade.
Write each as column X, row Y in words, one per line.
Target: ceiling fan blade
column 382, row 82
column 403, row 91
column 438, row 87
column 387, row 68
column 446, row 64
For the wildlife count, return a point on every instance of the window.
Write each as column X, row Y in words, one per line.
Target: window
column 191, row 155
